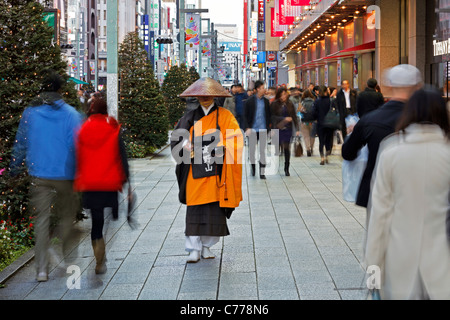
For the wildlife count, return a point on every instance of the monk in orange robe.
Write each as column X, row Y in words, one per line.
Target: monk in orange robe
column 207, row 144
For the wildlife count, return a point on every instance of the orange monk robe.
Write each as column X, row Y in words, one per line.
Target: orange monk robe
column 207, row 190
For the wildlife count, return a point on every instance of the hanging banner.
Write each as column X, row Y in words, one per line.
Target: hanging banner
column 206, row 47
column 326, row 76
column 277, row 29
column 288, row 12
column 300, row 2
column 355, row 73
column 317, row 76
column 192, row 31
column 339, row 76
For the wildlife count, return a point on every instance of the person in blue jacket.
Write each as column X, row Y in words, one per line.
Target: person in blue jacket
column 44, row 144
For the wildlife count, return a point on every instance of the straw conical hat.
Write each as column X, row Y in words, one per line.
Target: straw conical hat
column 205, row 87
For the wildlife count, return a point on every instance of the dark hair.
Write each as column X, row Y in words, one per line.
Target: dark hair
column 52, row 81
column 280, row 90
column 323, row 91
column 331, row 89
column 98, row 105
column 372, row 83
column 425, row 106
column 308, row 94
column 316, row 88
column 258, row 84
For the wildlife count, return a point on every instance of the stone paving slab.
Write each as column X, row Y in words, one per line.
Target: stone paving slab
column 292, row 238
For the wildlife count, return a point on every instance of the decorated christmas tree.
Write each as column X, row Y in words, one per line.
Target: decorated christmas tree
column 141, row 109
column 27, row 49
column 193, row 74
column 177, row 80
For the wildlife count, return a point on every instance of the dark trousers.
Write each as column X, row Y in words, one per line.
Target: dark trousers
column 254, row 139
column 98, row 220
column 286, row 148
column 325, row 140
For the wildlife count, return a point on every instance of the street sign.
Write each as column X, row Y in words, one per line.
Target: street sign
column 272, row 64
column 271, row 56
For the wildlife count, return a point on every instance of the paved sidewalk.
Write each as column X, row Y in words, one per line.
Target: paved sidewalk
column 292, row 238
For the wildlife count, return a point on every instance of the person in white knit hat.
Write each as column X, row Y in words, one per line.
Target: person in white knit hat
column 403, row 80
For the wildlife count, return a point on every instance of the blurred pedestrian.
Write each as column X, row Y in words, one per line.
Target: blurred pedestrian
column 230, row 102
column 102, row 170
column 284, row 118
column 346, row 103
column 410, row 200
column 46, row 141
column 239, row 100
column 369, row 99
column 270, row 94
column 209, row 175
column 257, row 125
column 306, row 109
column 295, row 97
column 321, row 107
column 403, row 80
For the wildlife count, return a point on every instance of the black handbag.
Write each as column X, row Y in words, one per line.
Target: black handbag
column 332, row 119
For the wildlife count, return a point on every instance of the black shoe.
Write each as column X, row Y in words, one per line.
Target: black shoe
column 263, row 177
column 286, row 170
column 253, row 169
column 308, row 153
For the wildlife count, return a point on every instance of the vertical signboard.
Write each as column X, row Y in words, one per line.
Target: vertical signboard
column 192, row 31
column 261, row 17
column 339, row 75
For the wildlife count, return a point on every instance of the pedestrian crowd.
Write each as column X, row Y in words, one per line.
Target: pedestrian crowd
column 405, row 184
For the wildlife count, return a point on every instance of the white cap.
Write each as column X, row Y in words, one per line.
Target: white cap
column 403, row 75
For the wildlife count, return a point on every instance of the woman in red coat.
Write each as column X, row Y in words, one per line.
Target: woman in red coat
column 102, row 169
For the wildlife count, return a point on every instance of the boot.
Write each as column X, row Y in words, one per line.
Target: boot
column 326, row 159
column 286, row 169
column 262, row 171
column 322, row 161
column 99, row 252
column 253, row 169
column 308, row 153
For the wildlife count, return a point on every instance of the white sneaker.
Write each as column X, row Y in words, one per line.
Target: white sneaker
column 193, row 257
column 42, row 277
column 207, row 254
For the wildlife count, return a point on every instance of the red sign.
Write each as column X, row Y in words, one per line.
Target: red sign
column 260, row 10
column 285, row 19
column 273, row 31
column 300, row 2
column 245, row 27
column 271, row 56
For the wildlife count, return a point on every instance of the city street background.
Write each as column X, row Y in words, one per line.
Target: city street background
column 291, row 238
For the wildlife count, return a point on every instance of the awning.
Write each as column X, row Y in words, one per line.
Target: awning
column 369, row 46
column 346, row 53
column 77, row 81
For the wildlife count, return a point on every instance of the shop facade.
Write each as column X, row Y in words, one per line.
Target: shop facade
column 346, row 42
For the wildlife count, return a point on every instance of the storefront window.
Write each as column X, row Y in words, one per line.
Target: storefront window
column 440, row 69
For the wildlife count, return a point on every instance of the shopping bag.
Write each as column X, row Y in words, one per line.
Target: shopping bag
column 298, row 148
column 352, row 172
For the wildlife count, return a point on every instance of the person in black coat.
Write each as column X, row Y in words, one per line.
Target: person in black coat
column 369, row 100
column 257, row 117
column 346, row 103
column 378, row 124
column 321, row 107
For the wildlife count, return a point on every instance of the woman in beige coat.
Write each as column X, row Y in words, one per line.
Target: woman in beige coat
column 406, row 235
